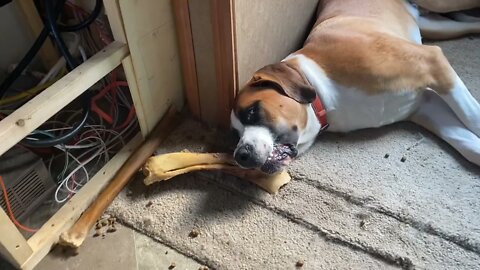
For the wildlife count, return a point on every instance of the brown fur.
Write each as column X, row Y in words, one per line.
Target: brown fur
column 277, row 108
column 267, row 85
column 358, row 47
column 360, row 44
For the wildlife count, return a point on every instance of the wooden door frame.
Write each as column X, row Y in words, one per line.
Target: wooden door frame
column 223, row 24
column 187, row 55
column 223, row 28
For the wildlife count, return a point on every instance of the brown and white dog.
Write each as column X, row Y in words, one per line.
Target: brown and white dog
column 362, row 66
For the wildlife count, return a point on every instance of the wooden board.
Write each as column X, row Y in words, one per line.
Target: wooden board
column 223, row 22
column 13, row 247
column 187, row 55
column 42, row 241
column 245, row 35
column 112, row 10
column 202, row 33
column 39, row 109
column 150, row 32
column 269, row 30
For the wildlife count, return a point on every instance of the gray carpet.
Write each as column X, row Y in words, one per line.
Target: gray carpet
column 348, row 206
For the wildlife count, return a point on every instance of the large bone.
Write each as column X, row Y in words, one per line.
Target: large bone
column 167, row 166
column 77, row 234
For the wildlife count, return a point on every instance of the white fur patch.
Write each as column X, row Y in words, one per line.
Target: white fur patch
column 351, row 109
column 465, row 106
column 236, row 124
column 260, row 138
column 414, row 29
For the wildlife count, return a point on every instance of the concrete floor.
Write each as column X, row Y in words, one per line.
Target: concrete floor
column 124, row 249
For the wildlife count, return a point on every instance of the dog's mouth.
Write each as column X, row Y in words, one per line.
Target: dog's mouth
column 281, row 156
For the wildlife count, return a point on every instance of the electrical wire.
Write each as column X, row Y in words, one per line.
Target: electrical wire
column 42, row 37
column 108, row 118
column 26, row 60
column 102, row 149
column 28, row 93
column 91, row 146
column 82, row 164
column 9, row 209
column 84, row 24
column 51, row 21
column 53, row 71
column 62, row 138
column 71, row 64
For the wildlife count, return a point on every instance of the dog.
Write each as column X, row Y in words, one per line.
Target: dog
column 363, row 65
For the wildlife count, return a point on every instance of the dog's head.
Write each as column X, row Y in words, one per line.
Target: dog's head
column 270, row 115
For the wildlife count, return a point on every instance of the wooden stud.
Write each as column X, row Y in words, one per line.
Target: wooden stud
column 112, row 9
column 51, row 100
column 187, row 55
column 149, row 26
column 204, row 52
column 47, row 53
column 225, row 57
column 13, row 246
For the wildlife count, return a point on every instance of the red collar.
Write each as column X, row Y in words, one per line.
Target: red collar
column 320, row 112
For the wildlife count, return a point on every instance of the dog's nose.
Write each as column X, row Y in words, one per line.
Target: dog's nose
column 245, row 157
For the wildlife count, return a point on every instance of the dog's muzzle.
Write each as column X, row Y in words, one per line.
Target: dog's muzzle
column 281, row 155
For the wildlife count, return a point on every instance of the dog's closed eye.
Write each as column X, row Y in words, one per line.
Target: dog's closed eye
column 251, row 115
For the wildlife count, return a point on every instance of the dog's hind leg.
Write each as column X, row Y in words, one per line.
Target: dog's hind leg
column 446, row 83
column 444, row 6
column 437, row 27
column 435, row 115
column 465, row 106
column 460, row 16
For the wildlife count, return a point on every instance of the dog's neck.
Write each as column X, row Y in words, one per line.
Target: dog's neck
column 317, row 105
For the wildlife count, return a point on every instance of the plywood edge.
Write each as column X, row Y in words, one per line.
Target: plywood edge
column 187, row 55
column 42, row 241
column 223, row 16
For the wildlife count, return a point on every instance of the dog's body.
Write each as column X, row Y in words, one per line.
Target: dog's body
column 365, row 61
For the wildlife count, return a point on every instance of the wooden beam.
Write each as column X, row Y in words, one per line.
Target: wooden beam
column 38, row 110
column 149, row 27
column 187, row 55
column 112, row 9
column 13, row 246
column 42, row 241
column 223, row 15
column 47, row 53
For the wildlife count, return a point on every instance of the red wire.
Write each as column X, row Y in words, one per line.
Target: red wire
column 130, row 117
column 100, row 95
column 9, row 209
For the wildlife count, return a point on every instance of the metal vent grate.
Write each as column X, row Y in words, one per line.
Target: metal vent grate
column 29, row 188
column 27, row 182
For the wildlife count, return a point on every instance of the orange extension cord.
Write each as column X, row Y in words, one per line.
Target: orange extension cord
column 9, row 209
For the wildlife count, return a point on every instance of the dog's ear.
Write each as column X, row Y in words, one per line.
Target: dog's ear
column 285, row 79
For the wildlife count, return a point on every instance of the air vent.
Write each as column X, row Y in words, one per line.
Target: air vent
column 26, row 179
